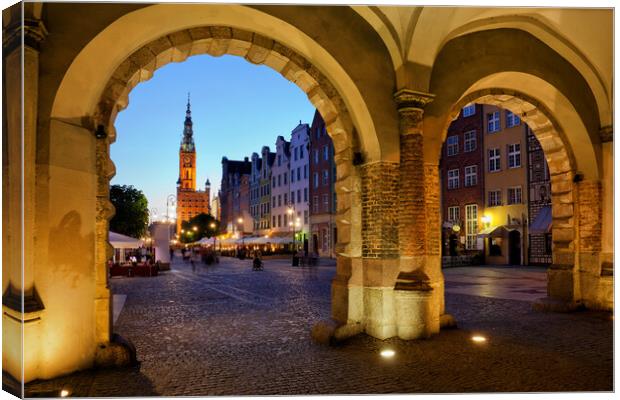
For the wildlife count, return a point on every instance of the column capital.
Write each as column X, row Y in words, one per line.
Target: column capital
column 606, row 134
column 408, row 99
column 33, row 30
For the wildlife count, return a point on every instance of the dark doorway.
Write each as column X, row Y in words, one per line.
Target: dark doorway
column 514, row 248
column 315, row 244
column 452, row 244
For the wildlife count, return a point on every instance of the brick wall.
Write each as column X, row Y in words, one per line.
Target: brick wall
column 411, row 196
column 379, row 196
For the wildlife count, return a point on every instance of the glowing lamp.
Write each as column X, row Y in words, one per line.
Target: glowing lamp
column 387, row 353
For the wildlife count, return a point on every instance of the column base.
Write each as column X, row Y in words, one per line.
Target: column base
column 549, row 304
column 331, row 332
column 447, row 321
column 119, row 352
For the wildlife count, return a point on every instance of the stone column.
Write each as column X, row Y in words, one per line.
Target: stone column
column 419, row 287
column 22, row 36
column 380, row 250
column 607, row 203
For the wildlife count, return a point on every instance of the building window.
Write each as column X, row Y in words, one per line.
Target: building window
column 305, row 171
column 470, row 141
column 285, row 220
column 279, row 200
column 326, row 202
column 279, row 160
column 285, row 198
column 316, row 156
column 299, row 195
column 315, row 204
column 454, row 213
column 292, row 197
column 495, row 198
column 292, row 176
column 453, row 179
column 301, row 152
column 273, row 201
column 471, row 226
column 514, row 155
column 316, row 180
column 279, row 220
column 512, row 120
column 306, row 217
column 493, row 122
column 305, row 194
column 453, row 145
column 514, row 195
column 325, row 153
column 325, row 177
column 285, row 175
column 494, row 160
column 295, row 153
column 469, row 110
column 279, row 180
column 274, row 220
column 274, row 181
column 471, row 175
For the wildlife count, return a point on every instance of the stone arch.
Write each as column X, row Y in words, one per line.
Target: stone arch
column 257, row 49
column 140, row 65
column 558, row 155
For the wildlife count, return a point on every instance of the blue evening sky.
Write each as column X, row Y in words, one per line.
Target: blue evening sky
column 237, row 107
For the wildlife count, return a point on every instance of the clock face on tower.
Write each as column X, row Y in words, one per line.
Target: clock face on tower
column 186, row 161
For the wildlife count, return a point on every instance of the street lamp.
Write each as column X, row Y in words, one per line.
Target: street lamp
column 240, row 221
column 290, row 212
column 212, row 226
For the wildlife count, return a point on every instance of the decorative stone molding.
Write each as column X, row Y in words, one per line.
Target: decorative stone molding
column 408, row 98
column 33, row 31
column 12, row 305
column 607, row 134
column 410, row 105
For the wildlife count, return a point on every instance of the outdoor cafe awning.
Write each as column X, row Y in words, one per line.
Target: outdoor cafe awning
column 542, row 222
column 119, row 241
column 495, row 231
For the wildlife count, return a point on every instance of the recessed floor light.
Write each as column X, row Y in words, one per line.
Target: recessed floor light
column 387, row 353
column 64, row 393
column 478, row 338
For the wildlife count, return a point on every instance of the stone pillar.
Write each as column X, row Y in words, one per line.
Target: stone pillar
column 418, row 224
column 562, row 276
column 380, row 252
column 21, row 59
column 607, row 203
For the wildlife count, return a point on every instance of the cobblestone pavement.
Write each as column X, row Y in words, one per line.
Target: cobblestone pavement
column 503, row 282
column 225, row 330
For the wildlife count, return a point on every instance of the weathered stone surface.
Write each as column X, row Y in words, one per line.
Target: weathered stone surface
column 590, row 216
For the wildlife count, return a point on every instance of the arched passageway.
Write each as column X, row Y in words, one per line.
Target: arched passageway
column 387, row 116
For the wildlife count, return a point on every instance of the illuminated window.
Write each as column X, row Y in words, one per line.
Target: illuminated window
column 469, row 110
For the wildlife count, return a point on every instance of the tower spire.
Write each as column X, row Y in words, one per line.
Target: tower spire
column 187, row 143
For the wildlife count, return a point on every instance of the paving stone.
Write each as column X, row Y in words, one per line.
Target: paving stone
column 226, row 330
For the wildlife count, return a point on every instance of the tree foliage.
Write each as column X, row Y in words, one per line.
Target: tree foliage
column 202, row 222
column 132, row 214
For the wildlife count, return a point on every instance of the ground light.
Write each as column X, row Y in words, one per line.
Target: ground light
column 387, row 353
column 478, row 339
column 64, row 393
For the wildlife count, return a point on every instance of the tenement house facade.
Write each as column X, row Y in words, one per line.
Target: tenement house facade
column 300, row 140
column 322, row 194
column 462, row 183
column 280, row 189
